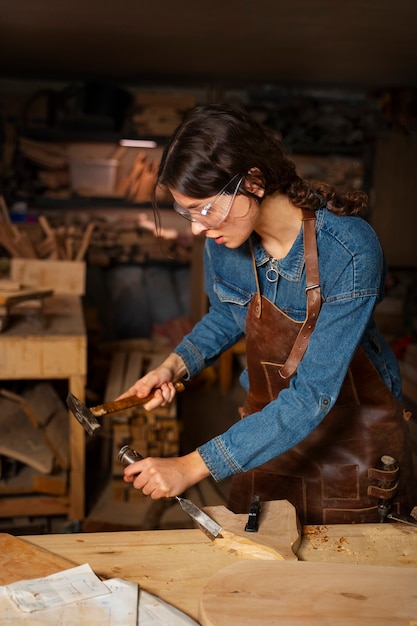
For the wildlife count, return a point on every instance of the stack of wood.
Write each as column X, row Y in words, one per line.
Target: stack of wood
column 65, row 242
column 34, row 455
column 153, row 433
column 136, row 241
column 72, row 237
column 138, row 184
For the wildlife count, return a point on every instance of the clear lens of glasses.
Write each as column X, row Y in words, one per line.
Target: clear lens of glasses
column 213, row 213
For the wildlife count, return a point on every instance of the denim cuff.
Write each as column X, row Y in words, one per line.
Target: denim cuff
column 193, row 360
column 220, row 463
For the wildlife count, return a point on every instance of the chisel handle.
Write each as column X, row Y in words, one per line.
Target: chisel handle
column 128, row 455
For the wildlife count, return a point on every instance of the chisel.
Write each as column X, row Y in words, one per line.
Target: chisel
column 127, row 456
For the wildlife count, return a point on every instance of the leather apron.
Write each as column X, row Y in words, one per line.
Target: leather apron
column 336, row 474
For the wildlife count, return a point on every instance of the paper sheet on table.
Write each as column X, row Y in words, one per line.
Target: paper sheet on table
column 118, row 602
column 155, row 612
column 71, row 585
column 118, row 606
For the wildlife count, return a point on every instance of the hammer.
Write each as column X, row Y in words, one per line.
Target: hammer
column 87, row 416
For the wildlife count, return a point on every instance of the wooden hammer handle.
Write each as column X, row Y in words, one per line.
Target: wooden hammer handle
column 126, row 403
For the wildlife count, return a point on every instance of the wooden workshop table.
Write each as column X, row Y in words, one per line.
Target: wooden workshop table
column 56, row 349
column 175, row 565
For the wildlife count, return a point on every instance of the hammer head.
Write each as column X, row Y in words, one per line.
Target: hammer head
column 87, row 420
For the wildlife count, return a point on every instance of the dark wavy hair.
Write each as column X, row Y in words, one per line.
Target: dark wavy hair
column 216, row 142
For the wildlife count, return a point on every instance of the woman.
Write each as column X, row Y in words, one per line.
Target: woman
column 291, row 265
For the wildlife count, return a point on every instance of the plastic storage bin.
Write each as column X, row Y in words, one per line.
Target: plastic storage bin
column 94, row 177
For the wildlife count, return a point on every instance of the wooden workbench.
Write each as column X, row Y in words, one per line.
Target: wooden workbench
column 54, row 349
column 175, row 565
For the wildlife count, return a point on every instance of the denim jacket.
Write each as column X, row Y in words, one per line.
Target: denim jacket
column 352, row 276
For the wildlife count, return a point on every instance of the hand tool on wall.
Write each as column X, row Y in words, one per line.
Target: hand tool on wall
column 127, row 456
column 87, row 417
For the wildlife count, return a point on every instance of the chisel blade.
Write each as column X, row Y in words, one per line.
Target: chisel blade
column 203, row 521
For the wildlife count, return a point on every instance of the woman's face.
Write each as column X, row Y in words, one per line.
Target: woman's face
column 240, row 216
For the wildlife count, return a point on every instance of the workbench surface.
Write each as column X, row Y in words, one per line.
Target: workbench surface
column 175, row 565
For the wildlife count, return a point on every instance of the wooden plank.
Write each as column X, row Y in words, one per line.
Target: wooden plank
column 53, row 419
column 20, row 440
column 56, row 351
column 37, row 505
column 42, row 358
column 176, row 564
column 64, row 277
column 367, row 544
column 278, row 537
column 52, row 484
column 20, row 560
column 295, row 594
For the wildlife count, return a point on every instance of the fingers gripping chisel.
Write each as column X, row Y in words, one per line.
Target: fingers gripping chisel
column 127, row 456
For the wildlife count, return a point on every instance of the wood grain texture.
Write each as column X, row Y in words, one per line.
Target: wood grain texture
column 317, row 594
column 391, row 544
column 20, row 560
column 176, row 565
column 172, row 564
column 64, row 277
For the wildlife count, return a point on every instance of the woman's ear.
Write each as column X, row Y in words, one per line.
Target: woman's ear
column 254, row 183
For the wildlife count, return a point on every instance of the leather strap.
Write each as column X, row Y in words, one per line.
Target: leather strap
column 383, row 476
column 313, row 295
column 386, row 493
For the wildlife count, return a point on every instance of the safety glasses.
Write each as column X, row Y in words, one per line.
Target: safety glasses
column 213, row 213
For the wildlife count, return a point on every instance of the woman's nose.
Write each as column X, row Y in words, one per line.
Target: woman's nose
column 197, row 228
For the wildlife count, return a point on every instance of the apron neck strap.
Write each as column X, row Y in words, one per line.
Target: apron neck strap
column 313, row 292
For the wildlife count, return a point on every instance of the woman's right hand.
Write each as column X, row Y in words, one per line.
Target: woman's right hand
column 160, row 382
